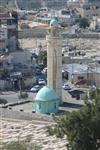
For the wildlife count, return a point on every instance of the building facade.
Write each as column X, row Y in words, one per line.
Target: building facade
column 8, row 30
column 88, row 10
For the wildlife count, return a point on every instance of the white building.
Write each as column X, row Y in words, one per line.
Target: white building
column 3, row 37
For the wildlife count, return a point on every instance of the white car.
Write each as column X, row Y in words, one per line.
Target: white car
column 44, row 71
column 35, row 88
column 41, row 82
column 66, row 87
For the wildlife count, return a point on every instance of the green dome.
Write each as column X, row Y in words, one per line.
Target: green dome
column 46, row 94
column 54, row 23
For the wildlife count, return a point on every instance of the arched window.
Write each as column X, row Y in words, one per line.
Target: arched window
column 39, row 105
column 55, row 106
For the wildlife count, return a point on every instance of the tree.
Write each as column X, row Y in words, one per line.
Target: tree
column 42, row 58
column 83, row 23
column 23, row 95
column 82, row 127
column 3, row 101
column 4, row 73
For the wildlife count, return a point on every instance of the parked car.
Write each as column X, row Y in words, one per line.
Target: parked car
column 75, row 93
column 38, row 72
column 81, row 82
column 41, row 66
column 66, row 87
column 44, row 71
column 35, row 88
column 41, row 82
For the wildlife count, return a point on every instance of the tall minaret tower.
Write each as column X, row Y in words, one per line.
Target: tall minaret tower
column 54, row 58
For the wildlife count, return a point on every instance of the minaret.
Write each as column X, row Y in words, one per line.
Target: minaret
column 54, row 58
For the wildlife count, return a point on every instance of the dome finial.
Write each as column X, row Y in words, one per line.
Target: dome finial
column 54, row 22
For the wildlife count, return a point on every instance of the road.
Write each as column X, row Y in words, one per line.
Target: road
column 69, row 104
column 12, row 97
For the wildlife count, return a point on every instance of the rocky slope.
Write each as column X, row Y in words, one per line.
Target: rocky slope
column 13, row 130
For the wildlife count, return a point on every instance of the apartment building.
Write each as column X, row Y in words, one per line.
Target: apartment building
column 8, row 30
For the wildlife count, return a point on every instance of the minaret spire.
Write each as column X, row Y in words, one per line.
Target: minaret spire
column 54, row 57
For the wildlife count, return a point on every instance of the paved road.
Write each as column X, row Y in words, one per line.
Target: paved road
column 67, row 98
column 69, row 103
column 13, row 96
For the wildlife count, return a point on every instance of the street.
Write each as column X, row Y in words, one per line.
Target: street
column 12, row 97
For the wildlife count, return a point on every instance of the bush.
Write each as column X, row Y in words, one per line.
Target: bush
column 4, row 73
column 23, row 95
column 21, row 145
column 82, row 128
column 15, row 146
column 84, row 22
column 3, row 101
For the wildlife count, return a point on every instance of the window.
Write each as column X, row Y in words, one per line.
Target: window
column 39, row 106
column 55, row 105
column 80, row 77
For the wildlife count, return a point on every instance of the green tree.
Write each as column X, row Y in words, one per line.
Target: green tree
column 4, row 73
column 83, row 23
column 42, row 58
column 81, row 127
column 3, row 101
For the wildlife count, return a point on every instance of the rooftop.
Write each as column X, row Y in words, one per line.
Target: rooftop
column 81, row 68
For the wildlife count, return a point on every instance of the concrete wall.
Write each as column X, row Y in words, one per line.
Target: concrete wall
column 82, row 35
column 26, row 33
column 68, row 60
column 23, row 57
column 4, row 84
column 46, row 107
column 96, row 78
column 41, row 33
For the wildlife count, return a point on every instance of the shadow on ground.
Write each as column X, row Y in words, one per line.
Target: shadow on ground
column 71, row 105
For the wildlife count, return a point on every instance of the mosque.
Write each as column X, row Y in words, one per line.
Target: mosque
column 49, row 97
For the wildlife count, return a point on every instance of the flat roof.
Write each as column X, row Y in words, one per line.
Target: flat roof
column 80, row 68
column 76, row 68
column 5, row 16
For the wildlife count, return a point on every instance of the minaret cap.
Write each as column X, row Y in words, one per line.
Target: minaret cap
column 54, row 23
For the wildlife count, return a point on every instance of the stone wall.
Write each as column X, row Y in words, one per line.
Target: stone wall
column 39, row 33
column 30, row 33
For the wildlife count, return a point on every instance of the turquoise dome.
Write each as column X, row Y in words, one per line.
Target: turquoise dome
column 46, row 94
column 54, row 23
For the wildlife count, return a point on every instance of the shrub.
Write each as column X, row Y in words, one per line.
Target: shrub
column 3, row 101
column 23, row 95
column 21, row 145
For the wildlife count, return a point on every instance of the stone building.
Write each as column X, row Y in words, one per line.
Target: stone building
column 8, row 30
column 88, row 10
